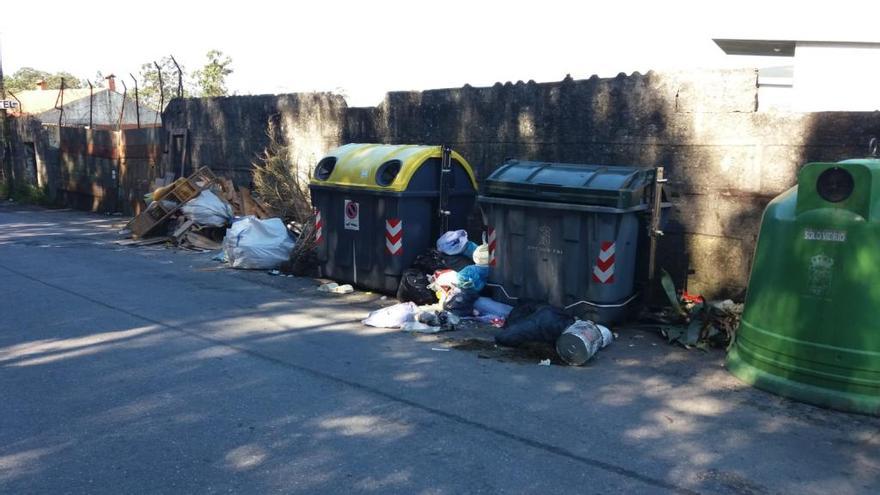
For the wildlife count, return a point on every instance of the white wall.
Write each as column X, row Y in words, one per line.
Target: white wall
column 836, row 77
column 775, row 98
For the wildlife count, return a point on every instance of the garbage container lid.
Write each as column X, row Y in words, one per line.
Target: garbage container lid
column 599, row 185
column 381, row 167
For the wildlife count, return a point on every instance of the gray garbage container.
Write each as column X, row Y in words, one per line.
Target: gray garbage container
column 567, row 234
column 378, row 207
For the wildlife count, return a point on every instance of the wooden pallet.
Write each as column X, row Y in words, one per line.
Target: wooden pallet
column 167, row 204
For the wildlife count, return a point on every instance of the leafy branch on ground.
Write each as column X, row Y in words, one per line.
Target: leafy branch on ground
column 284, row 185
column 693, row 322
column 280, row 182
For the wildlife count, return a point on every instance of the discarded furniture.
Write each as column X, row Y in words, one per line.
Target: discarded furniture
column 810, row 329
column 168, row 200
column 379, row 206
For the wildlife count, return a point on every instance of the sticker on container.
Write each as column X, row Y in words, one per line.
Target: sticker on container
column 820, row 275
column 352, row 220
column 825, row 235
column 319, row 226
column 394, row 236
column 492, row 244
column 603, row 270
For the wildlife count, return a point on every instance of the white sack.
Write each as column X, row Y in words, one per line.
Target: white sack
column 207, row 209
column 257, row 244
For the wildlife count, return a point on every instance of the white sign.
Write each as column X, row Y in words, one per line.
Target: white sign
column 825, row 235
column 8, row 104
column 352, row 215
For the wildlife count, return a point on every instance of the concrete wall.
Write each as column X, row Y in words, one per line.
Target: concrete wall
column 107, row 171
column 33, row 150
column 724, row 159
column 228, row 133
column 91, row 169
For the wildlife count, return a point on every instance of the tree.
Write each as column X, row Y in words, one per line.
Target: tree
column 148, row 84
column 99, row 81
column 27, row 78
column 212, row 77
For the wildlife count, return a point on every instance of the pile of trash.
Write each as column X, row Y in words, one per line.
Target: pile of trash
column 442, row 288
column 204, row 212
column 446, row 287
column 691, row 321
column 452, row 276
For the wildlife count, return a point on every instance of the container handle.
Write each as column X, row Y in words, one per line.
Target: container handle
column 445, row 170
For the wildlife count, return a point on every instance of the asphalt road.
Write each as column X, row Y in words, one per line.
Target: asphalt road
column 147, row 370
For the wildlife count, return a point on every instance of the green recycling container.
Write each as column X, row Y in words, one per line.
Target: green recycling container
column 810, row 330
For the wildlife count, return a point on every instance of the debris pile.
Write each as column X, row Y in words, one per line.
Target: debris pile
column 445, row 288
column 204, row 212
column 690, row 321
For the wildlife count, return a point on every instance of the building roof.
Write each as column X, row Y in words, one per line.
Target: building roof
column 106, row 108
column 34, row 101
column 771, row 48
column 776, row 48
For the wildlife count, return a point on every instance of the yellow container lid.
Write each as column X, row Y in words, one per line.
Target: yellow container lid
column 358, row 165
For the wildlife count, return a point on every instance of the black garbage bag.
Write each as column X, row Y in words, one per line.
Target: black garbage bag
column 462, row 303
column 456, row 262
column 414, row 287
column 523, row 309
column 429, row 262
column 544, row 324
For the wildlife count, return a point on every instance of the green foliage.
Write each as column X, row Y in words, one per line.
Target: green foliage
column 148, row 83
column 99, row 81
column 211, row 78
column 27, row 77
column 280, row 182
column 28, row 194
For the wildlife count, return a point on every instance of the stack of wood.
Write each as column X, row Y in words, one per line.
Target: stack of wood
column 243, row 203
column 182, row 231
column 194, row 237
column 198, row 238
column 167, row 200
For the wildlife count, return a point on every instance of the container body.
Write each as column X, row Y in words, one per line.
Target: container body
column 809, row 329
column 576, row 257
column 369, row 233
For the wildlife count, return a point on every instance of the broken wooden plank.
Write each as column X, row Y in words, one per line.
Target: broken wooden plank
column 182, row 228
column 143, row 242
column 247, row 202
column 126, row 242
column 201, row 242
column 253, row 207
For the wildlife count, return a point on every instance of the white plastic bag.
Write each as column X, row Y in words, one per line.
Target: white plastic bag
column 207, row 209
column 392, row 316
column 257, row 244
column 452, row 242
